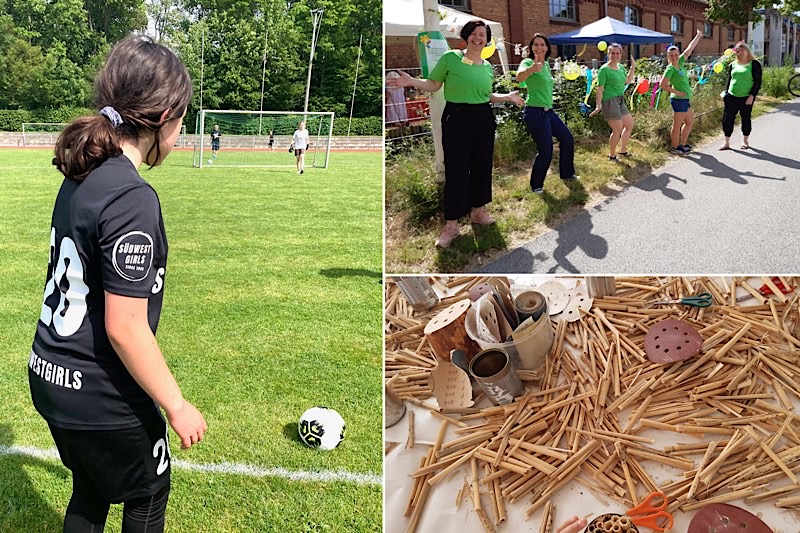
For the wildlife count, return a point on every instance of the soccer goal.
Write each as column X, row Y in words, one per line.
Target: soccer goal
column 41, row 133
column 260, row 138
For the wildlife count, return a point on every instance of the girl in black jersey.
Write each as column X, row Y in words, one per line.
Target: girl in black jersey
column 96, row 373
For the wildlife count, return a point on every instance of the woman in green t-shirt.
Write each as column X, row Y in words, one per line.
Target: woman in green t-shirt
column 542, row 122
column 744, row 82
column 468, row 127
column 676, row 82
column 611, row 81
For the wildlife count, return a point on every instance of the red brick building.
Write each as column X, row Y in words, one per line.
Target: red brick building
column 522, row 18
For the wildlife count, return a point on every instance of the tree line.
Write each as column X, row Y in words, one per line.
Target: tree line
column 50, row 51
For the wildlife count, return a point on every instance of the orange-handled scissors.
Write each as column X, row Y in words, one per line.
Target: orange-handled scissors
column 648, row 515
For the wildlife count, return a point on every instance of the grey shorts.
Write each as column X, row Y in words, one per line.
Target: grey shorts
column 614, row 108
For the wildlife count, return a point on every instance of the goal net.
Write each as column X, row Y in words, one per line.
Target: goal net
column 260, row 138
column 41, row 133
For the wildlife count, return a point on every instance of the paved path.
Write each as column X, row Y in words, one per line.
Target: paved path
column 734, row 211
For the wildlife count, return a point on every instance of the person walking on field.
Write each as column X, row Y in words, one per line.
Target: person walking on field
column 300, row 143
column 611, row 82
column 543, row 123
column 96, row 372
column 468, row 127
column 742, row 86
column 215, row 136
column 676, row 82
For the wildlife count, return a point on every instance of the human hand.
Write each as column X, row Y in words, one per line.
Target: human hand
column 573, row 525
column 750, row 100
column 680, row 94
column 188, row 423
column 402, row 80
column 515, row 98
column 537, row 65
column 633, row 63
column 595, row 111
column 699, row 31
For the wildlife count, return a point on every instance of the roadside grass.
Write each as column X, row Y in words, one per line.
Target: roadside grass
column 272, row 305
column 521, row 215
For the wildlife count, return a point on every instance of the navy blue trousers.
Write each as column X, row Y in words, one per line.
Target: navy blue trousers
column 543, row 126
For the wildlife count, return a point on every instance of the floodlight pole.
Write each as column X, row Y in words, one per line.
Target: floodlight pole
column 316, row 16
column 355, row 83
column 202, row 64
column 263, row 76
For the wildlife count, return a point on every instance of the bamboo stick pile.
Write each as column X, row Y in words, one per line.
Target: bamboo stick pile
column 589, row 413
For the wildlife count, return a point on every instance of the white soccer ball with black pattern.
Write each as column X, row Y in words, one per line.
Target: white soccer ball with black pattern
column 321, row 427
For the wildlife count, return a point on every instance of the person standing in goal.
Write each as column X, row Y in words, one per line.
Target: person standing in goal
column 300, row 142
column 96, row 372
column 215, row 135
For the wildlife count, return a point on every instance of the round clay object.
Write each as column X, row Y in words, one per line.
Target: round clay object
column 479, row 290
column 724, row 518
column 671, row 340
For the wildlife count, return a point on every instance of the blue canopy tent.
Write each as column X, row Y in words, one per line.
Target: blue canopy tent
column 612, row 31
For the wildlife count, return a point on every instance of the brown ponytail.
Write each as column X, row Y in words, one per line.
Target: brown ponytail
column 140, row 80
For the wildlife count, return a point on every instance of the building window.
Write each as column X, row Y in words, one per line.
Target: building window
column 708, row 29
column 632, row 16
column 562, row 9
column 461, row 5
column 566, row 51
column 676, row 25
column 731, row 33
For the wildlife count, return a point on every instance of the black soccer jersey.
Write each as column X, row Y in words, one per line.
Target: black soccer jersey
column 107, row 234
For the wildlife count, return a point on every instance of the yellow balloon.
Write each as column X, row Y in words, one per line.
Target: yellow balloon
column 488, row 50
column 718, row 68
column 729, row 51
column 602, row 45
column 571, row 71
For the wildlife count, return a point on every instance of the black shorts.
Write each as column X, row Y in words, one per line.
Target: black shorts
column 299, row 151
column 215, row 145
column 122, row 464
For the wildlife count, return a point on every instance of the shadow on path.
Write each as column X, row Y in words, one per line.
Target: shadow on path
column 22, row 509
column 661, row 182
column 721, row 170
column 574, row 234
column 755, row 153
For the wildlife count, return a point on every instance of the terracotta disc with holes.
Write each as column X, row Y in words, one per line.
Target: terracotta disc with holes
column 671, row 340
column 479, row 290
column 724, row 518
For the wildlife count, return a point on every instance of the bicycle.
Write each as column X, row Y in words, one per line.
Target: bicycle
column 794, row 84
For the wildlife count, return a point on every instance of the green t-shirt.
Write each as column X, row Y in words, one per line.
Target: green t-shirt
column 679, row 79
column 463, row 83
column 540, row 85
column 741, row 79
column 612, row 81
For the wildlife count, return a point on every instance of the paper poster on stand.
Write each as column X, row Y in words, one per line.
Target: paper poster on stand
column 432, row 45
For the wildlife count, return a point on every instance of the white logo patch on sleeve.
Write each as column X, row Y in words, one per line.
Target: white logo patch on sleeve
column 133, row 255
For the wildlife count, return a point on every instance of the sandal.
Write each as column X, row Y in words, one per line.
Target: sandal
column 613, row 158
column 745, row 146
column 480, row 216
column 447, row 235
column 725, row 147
column 625, row 154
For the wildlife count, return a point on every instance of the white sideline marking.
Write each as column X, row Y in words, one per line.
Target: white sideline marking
column 226, row 468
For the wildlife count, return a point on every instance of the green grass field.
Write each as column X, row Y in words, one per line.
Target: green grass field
column 272, row 305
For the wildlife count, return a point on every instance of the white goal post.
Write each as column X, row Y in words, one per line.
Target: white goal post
column 41, row 133
column 260, row 138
